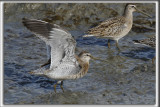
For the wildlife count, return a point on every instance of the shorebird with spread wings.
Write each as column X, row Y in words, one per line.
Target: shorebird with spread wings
column 65, row 64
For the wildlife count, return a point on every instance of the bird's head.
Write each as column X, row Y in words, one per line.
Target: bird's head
column 85, row 56
column 133, row 8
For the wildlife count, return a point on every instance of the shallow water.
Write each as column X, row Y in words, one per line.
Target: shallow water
column 126, row 77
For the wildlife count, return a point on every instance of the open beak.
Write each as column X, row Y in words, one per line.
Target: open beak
column 143, row 12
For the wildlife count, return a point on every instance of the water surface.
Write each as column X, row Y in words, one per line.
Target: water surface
column 126, row 77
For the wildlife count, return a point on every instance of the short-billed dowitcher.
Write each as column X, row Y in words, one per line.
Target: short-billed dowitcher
column 64, row 63
column 151, row 42
column 117, row 27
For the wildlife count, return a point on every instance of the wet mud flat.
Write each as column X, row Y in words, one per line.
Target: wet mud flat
column 126, row 77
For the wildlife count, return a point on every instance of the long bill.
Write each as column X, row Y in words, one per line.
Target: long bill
column 97, row 58
column 143, row 12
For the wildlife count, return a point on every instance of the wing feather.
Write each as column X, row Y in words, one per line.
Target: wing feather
column 60, row 40
column 108, row 27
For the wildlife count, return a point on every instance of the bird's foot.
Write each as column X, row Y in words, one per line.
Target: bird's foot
column 55, row 87
column 109, row 43
column 62, row 86
column 109, row 46
column 119, row 50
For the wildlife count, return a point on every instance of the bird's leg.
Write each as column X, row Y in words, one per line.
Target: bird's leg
column 117, row 45
column 55, row 87
column 62, row 86
column 153, row 59
column 48, row 62
column 109, row 43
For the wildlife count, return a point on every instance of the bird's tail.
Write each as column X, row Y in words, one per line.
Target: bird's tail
column 88, row 35
column 40, row 71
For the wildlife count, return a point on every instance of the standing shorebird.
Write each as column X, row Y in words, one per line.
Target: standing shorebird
column 151, row 42
column 64, row 63
column 117, row 27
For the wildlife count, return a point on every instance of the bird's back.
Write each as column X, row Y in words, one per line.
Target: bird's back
column 111, row 28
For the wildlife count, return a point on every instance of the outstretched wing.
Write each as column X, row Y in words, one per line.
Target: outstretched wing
column 60, row 40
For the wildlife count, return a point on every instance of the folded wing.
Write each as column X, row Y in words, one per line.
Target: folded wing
column 109, row 27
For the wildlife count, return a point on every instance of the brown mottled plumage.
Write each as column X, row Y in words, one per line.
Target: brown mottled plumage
column 117, row 27
column 110, row 28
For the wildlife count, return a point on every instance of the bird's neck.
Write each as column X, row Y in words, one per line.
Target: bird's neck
column 84, row 67
column 128, row 15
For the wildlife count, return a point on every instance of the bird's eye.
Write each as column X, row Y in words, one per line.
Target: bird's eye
column 132, row 6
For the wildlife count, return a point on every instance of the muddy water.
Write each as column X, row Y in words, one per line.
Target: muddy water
column 126, row 77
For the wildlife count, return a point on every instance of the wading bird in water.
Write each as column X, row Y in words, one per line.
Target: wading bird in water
column 117, row 27
column 65, row 64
